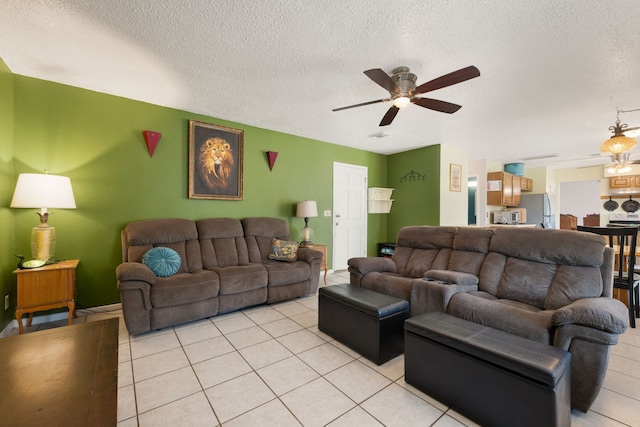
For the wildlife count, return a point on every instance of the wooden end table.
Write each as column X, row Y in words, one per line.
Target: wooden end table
column 323, row 249
column 44, row 288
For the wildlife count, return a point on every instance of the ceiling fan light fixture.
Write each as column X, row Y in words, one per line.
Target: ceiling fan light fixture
column 620, row 141
column 401, row 101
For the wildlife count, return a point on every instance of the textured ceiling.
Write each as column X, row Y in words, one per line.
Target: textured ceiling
column 553, row 71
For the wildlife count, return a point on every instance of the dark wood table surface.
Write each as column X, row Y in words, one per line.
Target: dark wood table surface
column 67, row 376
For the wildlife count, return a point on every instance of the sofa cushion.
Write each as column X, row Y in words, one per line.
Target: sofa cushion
column 470, row 247
column 287, row 273
column 422, row 248
column 178, row 234
column 259, row 233
column 183, row 288
column 241, row 278
column 164, row 262
column 222, row 242
column 284, row 250
column 526, row 281
column 389, row 283
column 509, row 316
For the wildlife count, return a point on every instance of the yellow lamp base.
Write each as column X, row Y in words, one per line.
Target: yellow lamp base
column 43, row 242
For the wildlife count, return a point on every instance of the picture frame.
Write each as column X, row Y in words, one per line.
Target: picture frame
column 216, row 162
column 455, row 177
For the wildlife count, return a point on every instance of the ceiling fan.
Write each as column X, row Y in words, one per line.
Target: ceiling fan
column 401, row 85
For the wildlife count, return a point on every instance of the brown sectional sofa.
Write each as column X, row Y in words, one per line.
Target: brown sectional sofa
column 551, row 286
column 225, row 266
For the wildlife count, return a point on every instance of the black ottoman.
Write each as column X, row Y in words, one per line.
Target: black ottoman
column 492, row 377
column 369, row 322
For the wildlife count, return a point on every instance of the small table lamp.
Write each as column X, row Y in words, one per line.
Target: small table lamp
column 307, row 209
column 43, row 191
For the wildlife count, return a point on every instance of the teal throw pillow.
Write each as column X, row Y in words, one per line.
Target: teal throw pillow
column 284, row 250
column 164, row 262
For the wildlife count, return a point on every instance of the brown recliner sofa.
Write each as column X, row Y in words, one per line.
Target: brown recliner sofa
column 551, row 286
column 225, row 266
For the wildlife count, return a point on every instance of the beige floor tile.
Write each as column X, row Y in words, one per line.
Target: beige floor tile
column 131, row 422
column 208, row 349
column 624, row 365
column 355, row 417
column 358, row 381
column 300, row 341
column 625, row 350
column 395, row 406
column 248, row 337
column 306, row 319
column 328, row 403
column 155, row 344
column 592, row 419
column 281, row 327
column 351, row 352
column 166, row 388
column 617, row 407
column 393, row 369
column 263, row 314
column 233, row 323
column 126, row 402
column 311, row 302
column 124, row 352
column 271, row 414
column 402, row 383
column 239, row 395
column 200, row 332
column 447, row 421
column 461, row 419
column 220, row 369
column 290, row 308
column 159, row 363
column 285, row 375
column 125, row 374
column 623, row 383
column 325, row 358
column 265, row 353
column 192, row 411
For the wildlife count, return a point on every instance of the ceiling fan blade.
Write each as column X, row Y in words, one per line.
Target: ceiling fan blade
column 383, row 79
column 388, row 118
column 361, row 105
column 448, row 79
column 437, row 105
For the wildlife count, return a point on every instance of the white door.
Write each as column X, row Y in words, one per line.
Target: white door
column 349, row 213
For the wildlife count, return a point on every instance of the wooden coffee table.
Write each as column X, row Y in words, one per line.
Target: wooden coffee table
column 67, row 376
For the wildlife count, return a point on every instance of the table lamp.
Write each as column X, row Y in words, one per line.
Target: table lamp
column 307, row 209
column 43, row 191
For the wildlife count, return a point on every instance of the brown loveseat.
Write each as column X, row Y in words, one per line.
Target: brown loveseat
column 224, row 266
column 551, row 286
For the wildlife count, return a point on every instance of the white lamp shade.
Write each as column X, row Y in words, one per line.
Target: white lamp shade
column 307, row 209
column 43, row 191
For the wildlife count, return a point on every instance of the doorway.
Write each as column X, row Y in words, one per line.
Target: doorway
column 349, row 213
column 473, row 201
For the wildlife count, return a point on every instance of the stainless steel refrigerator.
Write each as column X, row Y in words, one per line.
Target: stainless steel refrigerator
column 539, row 210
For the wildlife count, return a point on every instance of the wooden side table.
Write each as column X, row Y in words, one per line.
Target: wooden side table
column 44, row 288
column 323, row 265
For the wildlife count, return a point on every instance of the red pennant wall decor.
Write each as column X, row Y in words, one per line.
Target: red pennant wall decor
column 271, row 156
column 152, row 139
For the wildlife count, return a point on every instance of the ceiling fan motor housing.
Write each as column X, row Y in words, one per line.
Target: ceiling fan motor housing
column 405, row 80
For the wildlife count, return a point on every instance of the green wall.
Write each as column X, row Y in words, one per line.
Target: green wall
column 96, row 140
column 7, row 260
column 417, row 195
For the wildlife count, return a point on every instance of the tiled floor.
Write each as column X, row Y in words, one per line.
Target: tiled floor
column 270, row 366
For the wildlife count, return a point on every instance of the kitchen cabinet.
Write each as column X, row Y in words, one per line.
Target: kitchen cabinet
column 627, row 181
column 503, row 189
column 526, row 184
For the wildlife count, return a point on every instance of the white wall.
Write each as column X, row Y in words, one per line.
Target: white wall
column 580, row 198
column 453, row 204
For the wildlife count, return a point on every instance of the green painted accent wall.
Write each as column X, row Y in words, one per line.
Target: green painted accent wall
column 416, row 195
column 96, row 140
column 7, row 261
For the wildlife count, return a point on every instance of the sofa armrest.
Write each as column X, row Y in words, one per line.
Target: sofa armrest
column 309, row 255
column 429, row 295
column 452, row 277
column 606, row 314
column 360, row 266
column 135, row 271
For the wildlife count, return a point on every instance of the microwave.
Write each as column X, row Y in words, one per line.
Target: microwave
column 506, row 217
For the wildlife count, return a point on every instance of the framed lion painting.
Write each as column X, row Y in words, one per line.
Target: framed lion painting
column 215, row 161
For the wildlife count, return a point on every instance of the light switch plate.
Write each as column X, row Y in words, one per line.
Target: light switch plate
column 327, row 213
